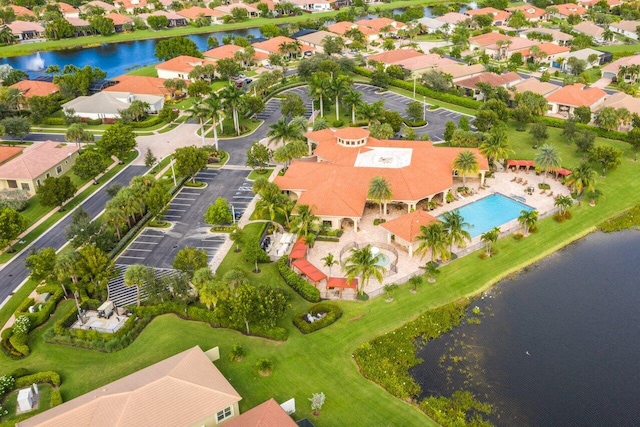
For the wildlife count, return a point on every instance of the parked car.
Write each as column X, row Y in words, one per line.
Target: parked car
column 543, row 69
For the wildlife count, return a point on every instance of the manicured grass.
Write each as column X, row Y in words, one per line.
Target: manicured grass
column 620, row 48
column 255, row 174
column 229, row 131
column 11, row 404
column 148, row 71
column 10, row 307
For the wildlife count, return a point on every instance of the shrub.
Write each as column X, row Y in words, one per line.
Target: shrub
column 19, row 372
column 332, row 311
column 545, row 186
column 50, row 377
column 54, row 121
column 237, row 353
column 265, row 367
column 306, row 290
column 151, row 121
column 7, row 383
column 338, row 123
column 21, row 325
column 19, row 344
column 56, row 398
column 24, row 306
column 276, row 333
column 6, row 334
column 415, row 124
column 94, row 122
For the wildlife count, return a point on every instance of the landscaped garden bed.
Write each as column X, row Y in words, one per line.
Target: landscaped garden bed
column 317, row 317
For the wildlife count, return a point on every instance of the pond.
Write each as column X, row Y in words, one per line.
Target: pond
column 557, row 345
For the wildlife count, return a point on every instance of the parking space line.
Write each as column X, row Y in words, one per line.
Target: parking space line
column 243, row 197
column 181, row 204
column 128, row 256
column 146, row 243
column 138, row 250
column 160, row 236
column 177, row 210
column 183, row 198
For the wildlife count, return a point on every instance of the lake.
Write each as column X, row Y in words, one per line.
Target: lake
column 557, row 345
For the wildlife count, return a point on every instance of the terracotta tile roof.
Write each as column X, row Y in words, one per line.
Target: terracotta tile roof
column 342, row 191
column 19, row 27
column 379, row 23
column 119, row 19
column 498, row 15
column 352, row 133
column 488, row 39
column 101, row 4
column 392, row 56
column 621, row 100
column 317, row 37
column 226, row 51
column 569, row 9
column 424, row 61
column 21, row 10
column 341, row 282
column 344, row 26
column 309, row 270
column 407, row 227
column 36, row 160
column 7, row 153
column 577, row 95
column 169, row 15
column 589, row 28
column 493, row 79
column 629, row 26
column 67, row 8
column 31, row 88
column 614, row 66
column 194, row 11
column 182, row 63
column 557, row 35
column 271, row 5
column 131, row 4
column 138, row 85
column 517, row 43
column 536, row 86
column 181, row 390
column 228, row 9
column 267, row 414
column 452, row 18
column 548, row 48
column 273, row 45
column 529, row 10
column 78, row 23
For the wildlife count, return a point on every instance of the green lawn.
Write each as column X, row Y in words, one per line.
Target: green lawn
column 11, row 403
column 255, row 174
column 148, row 71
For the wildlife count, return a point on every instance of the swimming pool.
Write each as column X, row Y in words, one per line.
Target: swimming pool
column 489, row 212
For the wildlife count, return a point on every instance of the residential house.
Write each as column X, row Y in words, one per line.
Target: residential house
column 37, row 163
column 620, row 100
column 175, row 20
column 186, row 389
column 7, row 153
column 229, row 51
column 560, row 61
column 340, row 28
column 252, row 11
column 30, row 88
column 590, row 29
column 383, row 26
column 625, row 28
column 563, row 11
column 316, row 39
column 546, row 52
column 80, row 26
column 267, row 414
column 67, row 10
column 500, row 17
column 483, row 40
column 101, row 4
column 503, row 50
column 194, row 12
column 131, row 5
column 459, row 71
column 612, row 70
column 531, row 13
column 315, row 5
column 470, row 85
column 25, row 30
column 418, row 65
column 565, row 100
column 275, row 44
column 433, row 25
column 141, row 85
column 179, row 67
column 557, row 37
column 392, row 56
column 588, row 4
column 121, row 23
column 107, row 105
column 347, row 160
column 452, row 18
column 21, row 11
column 535, row 86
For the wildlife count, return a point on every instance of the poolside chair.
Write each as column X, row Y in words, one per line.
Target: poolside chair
column 514, row 178
column 543, row 191
column 526, row 183
column 519, row 180
column 550, row 194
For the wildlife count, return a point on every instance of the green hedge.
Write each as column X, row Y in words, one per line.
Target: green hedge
column 333, row 313
column 19, row 344
column 54, row 121
column 56, row 398
column 50, row 377
column 151, row 121
column 603, row 133
column 24, row 307
column 291, row 278
column 416, row 124
column 94, row 122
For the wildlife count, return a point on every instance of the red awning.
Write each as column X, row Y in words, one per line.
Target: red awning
column 299, row 250
column 563, row 172
column 341, row 282
column 518, row 163
column 309, row 270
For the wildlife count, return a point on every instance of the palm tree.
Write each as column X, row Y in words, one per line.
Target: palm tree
column 136, row 275
column 233, row 98
column 496, row 145
column 379, row 191
column 456, row 229
column 284, row 132
column 433, row 237
column 489, row 238
column 319, row 87
column 213, row 106
column 329, row 261
column 78, row 134
column 304, row 222
column 353, row 99
column 338, row 86
column 547, row 160
column 13, row 97
column 270, row 198
column 528, row 220
column 465, row 163
column 363, row 263
column 371, row 112
column 199, row 112
column 582, row 178
column 563, row 203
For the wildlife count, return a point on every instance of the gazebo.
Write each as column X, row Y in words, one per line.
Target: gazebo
column 407, row 228
column 309, row 270
column 341, row 283
column 517, row 164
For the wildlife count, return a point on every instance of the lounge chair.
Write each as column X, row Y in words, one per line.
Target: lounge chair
column 525, row 183
column 543, row 191
column 550, row 194
column 514, row 178
column 519, row 180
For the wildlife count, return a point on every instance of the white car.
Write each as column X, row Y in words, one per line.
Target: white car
column 542, row 69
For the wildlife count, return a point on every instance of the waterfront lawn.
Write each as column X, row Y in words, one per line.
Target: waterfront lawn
column 148, row 71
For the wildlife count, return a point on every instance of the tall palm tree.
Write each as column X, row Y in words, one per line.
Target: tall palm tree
column 433, row 237
column 136, row 275
column 362, row 262
column 319, row 88
column 379, row 191
column 214, row 107
column 455, row 227
column 13, row 97
column 353, row 99
column 329, row 261
column 284, row 132
column 563, row 203
column 465, row 163
column 496, row 145
column 199, row 112
column 582, row 178
column 528, row 220
column 233, row 99
column 338, row 86
column 547, row 160
column 304, row 222
column 489, row 238
column 270, row 198
column 77, row 133
column 371, row 112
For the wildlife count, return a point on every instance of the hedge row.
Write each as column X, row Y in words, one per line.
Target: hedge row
column 151, row 121
column 603, row 133
column 50, row 377
column 333, row 313
column 56, row 398
column 291, row 278
column 24, row 307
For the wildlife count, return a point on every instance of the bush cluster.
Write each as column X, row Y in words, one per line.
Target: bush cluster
column 291, row 278
column 415, row 124
column 603, row 133
column 56, row 398
column 386, row 359
column 629, row 219
column 151, row 121
column 50, row 377
column 333, row 313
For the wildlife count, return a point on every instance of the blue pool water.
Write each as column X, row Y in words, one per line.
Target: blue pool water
column 491, row 211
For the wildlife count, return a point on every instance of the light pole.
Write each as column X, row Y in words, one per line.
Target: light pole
column 424, row 108
column 233, row 213
column 173, row 171
column 414, row 86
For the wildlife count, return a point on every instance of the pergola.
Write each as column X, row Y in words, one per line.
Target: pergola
column 309, row 270
column 299, row 250
column 341, row 283
column 517, row 164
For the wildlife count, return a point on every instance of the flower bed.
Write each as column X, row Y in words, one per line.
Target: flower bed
column 324, row 314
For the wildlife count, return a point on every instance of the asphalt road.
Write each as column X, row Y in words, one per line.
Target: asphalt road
column 14, row 273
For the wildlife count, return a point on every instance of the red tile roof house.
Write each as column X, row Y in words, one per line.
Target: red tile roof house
column 478, row 42
column 460, row 71
column 471, row 85
column 121, row 23
column 99, row 3
column 377, row 24
column 500, row 17
column 503, row 50
column 68, row 11
column 590, row 3
column 24, row 30
column 347, row 160
column 81, row 27
column 139, row 84
column 563, row 101
column 179, row 67
column 192, row 13
column 252, row 11
column 563, row 11
column 531, row 13
column 273, row 46
column 611, row 70
column 590, row 29
column 21, row 11
column 550, row 50
column 175, row 20
column 37, row 163
column 405, row 229
column 30, row 88
column 340, row 28
column 131, row 5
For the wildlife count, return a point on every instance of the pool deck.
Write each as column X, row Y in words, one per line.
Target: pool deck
column 407, row 266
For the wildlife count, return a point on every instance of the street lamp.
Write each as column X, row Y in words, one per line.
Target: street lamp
column 414, row 86
column 233, row 213
column 424, row 108
column 173, row 171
